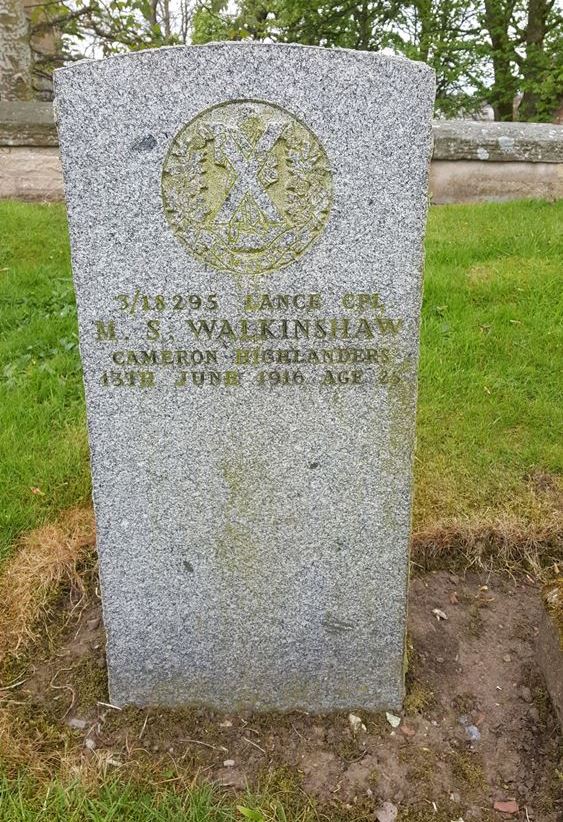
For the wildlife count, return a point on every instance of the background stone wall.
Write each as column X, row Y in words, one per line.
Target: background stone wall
column 472, row 161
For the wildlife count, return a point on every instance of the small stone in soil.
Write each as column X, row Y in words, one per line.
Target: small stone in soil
column 507, row 658
column 78, row 724
column 387, row 812
column 526, row 693
column 393, row 720
column 510, row 806
column 356, row 724
column 90, row 744
column 229, row 763
column 231, row 778
column 473, row 733
column 534, row 714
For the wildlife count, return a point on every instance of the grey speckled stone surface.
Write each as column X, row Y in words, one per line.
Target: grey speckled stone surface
column 253, row 529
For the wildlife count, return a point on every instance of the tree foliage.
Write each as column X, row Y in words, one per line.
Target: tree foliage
column 116, row 26
column 524, row 47
column 483, row 51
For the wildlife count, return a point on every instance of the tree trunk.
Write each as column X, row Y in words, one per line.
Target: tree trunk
column 538, row 11
column 166, row 22
column 364, row 26
column 424, row 10
column 46, row 48
column 15, row 52
column 498, row 15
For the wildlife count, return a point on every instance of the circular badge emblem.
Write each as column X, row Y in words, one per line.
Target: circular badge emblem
column 246, row 187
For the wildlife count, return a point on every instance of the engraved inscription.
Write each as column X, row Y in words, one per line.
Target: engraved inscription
column 188, row 337
column 246, row 187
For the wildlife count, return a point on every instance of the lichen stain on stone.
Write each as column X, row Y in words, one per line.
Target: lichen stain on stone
column 506, row 143
column 144, row 143
column 236, row 548
column 397, row 458
column 401, row 404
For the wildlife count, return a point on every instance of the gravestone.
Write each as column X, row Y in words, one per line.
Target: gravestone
column 246, row 227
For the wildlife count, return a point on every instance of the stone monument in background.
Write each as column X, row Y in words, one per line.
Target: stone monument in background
column 247, row 226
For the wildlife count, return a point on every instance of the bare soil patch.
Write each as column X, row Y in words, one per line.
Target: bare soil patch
column 477, row 725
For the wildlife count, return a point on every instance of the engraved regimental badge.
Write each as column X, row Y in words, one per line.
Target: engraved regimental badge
column 246, row 187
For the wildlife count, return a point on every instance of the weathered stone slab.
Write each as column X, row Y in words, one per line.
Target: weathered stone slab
column 27, row 124
column 476, row 181
column 32, row 174
column 498, row 142
column 246, row 225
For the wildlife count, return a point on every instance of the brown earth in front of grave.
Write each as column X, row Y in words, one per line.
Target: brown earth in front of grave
column 472, row 673
column 51, row 560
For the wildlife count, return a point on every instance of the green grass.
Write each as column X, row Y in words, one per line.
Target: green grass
column 22, row 800
column 491, row 352
column 43, row 450
column 490, row 385
column 25, row 799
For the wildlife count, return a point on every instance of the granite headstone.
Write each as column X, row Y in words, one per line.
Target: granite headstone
column 246, row 226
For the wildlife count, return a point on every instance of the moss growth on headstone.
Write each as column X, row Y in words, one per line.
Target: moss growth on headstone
column 236, row 549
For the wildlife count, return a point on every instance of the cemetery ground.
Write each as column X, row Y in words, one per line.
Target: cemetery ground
column 477, row 726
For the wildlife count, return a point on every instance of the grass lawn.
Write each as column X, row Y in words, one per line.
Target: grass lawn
column 489, row 419
column 489, row 435
column 43, row 446
column 25, row 801
column 489, row 415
